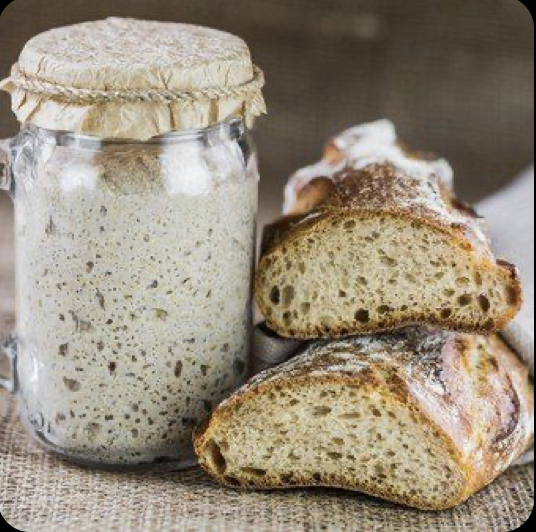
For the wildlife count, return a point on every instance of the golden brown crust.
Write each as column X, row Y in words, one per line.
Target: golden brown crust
column 472, row 392
column 388, row 325
column 384, row 188
column 356, row 148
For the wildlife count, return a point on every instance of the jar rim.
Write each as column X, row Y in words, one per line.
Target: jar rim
column 232, row 129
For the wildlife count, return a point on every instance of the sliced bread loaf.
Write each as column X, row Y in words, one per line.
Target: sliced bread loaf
column 384, row 246
column 424, row 419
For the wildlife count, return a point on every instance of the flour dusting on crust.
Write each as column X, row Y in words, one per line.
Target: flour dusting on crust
column 365, row 145
column 417, row 351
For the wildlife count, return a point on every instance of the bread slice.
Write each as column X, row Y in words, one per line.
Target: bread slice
column 384, row 247
column 419, row 418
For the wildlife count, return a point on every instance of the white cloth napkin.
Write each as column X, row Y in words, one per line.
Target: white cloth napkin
column 510, row 218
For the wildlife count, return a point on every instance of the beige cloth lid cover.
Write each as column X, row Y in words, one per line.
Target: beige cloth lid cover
column 125, row 78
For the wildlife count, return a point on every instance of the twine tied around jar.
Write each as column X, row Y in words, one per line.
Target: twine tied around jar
column 134, row 79
column 246, row 91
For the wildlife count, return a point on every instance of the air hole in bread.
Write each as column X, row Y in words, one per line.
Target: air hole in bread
column 351, row 415
column 465, row 300
column 384, row 309
column 446, row 313
column 362, row 315
column 275, row 295
column 350, row 224
column 287, row 478
column 484, row 303
column 216, row 457
column 305, row 307
column 389, row 261
column 321, row 411
column 288, row 295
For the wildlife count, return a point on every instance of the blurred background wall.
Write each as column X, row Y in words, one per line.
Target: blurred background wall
column 457, row 76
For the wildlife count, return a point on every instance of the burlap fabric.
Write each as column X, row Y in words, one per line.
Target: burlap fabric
column 38, row 491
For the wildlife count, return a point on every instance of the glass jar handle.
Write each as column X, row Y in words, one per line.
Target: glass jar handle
column 5, row 171
column 8, row 348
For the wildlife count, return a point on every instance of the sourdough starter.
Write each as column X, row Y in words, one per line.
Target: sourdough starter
column 134, row 272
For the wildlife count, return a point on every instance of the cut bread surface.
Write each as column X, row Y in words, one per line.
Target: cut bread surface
column 383, row 249
column 361, row 441
column 363, row 273
column 419, row 418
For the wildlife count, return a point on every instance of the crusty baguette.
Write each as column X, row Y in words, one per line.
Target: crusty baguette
column 421, row 418
column 359, row 146
column 384, row 248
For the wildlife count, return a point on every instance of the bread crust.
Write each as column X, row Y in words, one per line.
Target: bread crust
column 470, row 391
column 383, row 190
column 356, row 148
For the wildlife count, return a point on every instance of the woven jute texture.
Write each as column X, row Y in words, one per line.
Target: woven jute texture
column 39, row 491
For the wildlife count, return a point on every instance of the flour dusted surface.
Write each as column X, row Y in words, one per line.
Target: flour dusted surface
column 374, row 143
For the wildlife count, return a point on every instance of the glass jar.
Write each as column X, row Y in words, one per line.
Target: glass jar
column 134, row 272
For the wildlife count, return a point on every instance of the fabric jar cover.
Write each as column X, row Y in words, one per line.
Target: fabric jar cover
column 133, row 79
